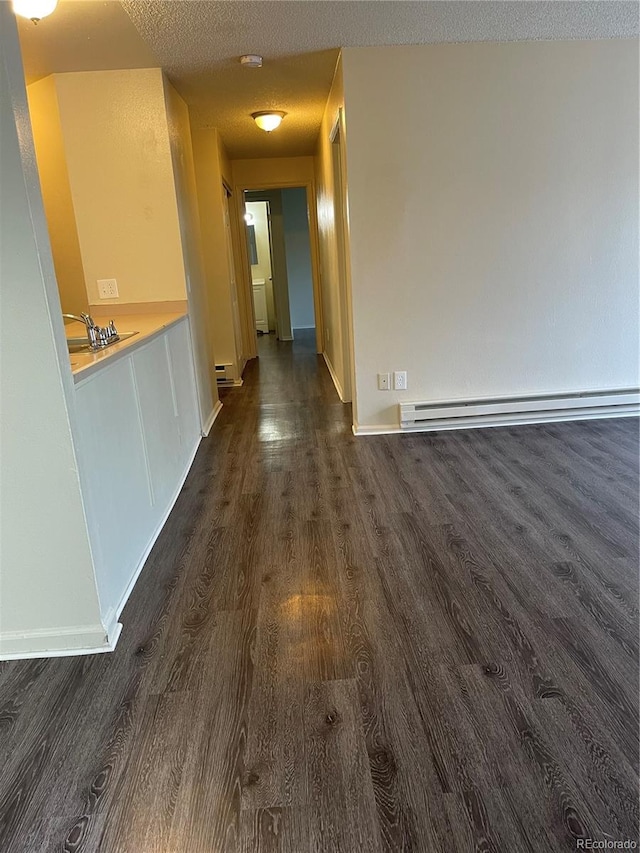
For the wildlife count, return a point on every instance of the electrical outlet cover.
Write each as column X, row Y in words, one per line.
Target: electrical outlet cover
column 400, row 380
column 107, row 288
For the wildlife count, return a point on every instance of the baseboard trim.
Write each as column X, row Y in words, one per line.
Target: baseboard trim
column 334, row 377
column 65, row 642
column 384, row 429
column 210, row 421
column 230, row 383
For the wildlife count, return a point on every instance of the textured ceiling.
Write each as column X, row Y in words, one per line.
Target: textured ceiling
column 198, row 45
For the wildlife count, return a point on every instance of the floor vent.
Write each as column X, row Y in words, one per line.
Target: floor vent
column 505, row 411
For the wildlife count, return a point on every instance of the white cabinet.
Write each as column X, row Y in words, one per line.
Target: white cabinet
column 138, row 429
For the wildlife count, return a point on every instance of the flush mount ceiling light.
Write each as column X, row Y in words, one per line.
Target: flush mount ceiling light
column 251, row 60
column 268, row 119
column 249, row 218
column 35, row 10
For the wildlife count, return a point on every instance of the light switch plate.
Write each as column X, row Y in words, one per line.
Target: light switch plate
column 383, row 382
column 107, row 288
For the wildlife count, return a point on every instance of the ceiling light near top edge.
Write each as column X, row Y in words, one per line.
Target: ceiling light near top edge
column 268, row 119
column 251, row 60
column 34, row 9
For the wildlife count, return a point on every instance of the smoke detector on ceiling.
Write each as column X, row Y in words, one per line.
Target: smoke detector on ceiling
column 251, row 60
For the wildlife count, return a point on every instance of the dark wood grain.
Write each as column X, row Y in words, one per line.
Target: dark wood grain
column 419, row 643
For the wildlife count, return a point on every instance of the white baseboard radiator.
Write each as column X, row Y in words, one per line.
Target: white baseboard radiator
column 222, row 378
column 508, row 411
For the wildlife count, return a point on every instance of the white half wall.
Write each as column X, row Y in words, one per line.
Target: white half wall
column 493, row 204
column 48, row 595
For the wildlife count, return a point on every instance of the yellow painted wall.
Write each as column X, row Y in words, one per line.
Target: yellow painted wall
column 211, row 164
column 190, row 234
column 116, row 142
column 276, row 171
column 333, row 312
column 56, row 195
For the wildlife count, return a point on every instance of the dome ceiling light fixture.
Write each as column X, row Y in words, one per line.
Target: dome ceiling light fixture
column 35, row 10
column 268, row 119
column 251, row 60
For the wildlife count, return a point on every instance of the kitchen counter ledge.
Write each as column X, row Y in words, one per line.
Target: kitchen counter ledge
column 83, row 364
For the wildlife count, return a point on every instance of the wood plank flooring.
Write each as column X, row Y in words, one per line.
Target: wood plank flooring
column 339, row 645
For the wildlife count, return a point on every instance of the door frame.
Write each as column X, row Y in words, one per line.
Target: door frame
column 277, row 258
column 341, row 224
column 244, row 273
column 227, row 206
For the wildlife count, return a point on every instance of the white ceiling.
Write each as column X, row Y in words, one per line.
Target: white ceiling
column 198, row 44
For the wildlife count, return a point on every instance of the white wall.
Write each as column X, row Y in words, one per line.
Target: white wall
column 493, row 202
column 48, row 595
column 296, row 239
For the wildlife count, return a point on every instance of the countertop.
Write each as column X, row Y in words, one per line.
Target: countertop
column 146, row 325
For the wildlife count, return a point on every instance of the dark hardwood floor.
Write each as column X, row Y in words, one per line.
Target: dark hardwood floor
column 405, row 643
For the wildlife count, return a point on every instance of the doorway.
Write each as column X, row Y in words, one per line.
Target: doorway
column 279, row 250
column 339, row 210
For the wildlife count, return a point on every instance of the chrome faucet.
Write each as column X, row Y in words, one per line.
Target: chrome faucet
column 97, row 336
column 87, row 319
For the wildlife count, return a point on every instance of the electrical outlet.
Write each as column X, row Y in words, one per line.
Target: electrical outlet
column 400, row 380
column 107, row 288
column 384, row 382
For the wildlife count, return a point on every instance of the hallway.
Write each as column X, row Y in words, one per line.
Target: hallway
column 404, row 643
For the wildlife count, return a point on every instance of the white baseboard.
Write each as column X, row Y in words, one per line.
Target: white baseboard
column 334, row 377
column 64, row 642
column 207, row 427
column 230, row 383
column 384, row 429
